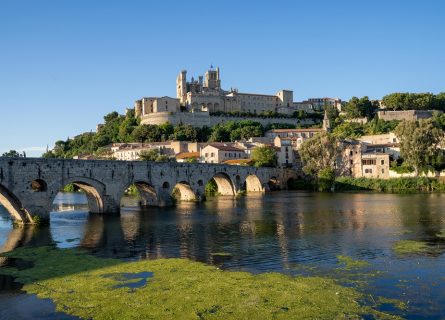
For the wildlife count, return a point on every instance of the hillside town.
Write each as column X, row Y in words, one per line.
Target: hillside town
column 399, row 136
column 276, row 123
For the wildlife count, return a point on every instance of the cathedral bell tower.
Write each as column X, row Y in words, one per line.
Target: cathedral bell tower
column 326, row 122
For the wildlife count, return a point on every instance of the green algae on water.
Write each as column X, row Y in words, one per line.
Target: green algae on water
column 81, row 285
column 410, row 247
column 350, row 263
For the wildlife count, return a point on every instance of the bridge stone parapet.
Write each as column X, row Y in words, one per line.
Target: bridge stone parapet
column 28, row 186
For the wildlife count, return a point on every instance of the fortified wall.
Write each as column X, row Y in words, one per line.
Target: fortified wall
column 406, row 115
column 201, row 119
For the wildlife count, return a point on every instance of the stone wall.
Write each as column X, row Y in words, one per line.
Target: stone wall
column 406, row 115
column 200, row 119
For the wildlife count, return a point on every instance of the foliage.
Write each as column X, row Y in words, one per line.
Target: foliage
column 403, row 168
column 418, row 141
column 95, row 288
column 325, row 179
column 394, row 185
column 11, row 154
column 348, row 130
column 318, row 153
column 359, row 108
column 154, row 155
column 414, row 101
column 377, row 126
column 264, row 156
column 233, row 130
column 211, row 187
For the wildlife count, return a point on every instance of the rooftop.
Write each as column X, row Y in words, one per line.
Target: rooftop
column 187, row 155
column 224, row 147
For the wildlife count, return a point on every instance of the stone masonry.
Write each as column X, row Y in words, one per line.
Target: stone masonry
column 28, row 186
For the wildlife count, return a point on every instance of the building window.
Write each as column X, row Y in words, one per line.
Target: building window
column 352, row 162
column 351, row 153
column 368, row 162
column 212, row 154
column 206, row 155
column 383, row 170
column 382, row 162
column 368, row 170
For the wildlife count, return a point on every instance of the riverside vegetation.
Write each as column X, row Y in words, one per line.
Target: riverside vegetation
column 97, row 288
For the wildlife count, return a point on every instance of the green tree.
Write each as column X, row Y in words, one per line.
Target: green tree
column 155, row 155
column 418, row 142
column 319, row 153
column 264, row 156
column 358, row 108
column 348, row 130
column 11, row 154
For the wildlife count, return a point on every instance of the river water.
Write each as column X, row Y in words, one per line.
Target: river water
column 287, row 232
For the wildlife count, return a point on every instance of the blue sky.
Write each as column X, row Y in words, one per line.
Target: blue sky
column 65, row 64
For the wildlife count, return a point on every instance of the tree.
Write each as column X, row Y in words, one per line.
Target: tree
column 150, row 155
column 319, row 153
column 264, row 156
column 418, row 142
column 348, row 130
column 154, row 155
column 11, row 154
column 358, row 108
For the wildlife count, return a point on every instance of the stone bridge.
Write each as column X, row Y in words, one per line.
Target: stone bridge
column 28, row 186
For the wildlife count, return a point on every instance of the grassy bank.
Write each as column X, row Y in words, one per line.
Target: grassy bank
column 419, row 184
column 96, row 288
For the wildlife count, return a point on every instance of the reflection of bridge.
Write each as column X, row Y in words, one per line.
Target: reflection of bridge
column 29, row 186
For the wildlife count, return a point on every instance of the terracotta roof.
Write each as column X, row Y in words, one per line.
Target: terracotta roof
column 225, row 147
column 238, row 161
column 187, row 155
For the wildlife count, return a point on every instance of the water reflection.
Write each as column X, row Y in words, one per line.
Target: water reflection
column 275, row 232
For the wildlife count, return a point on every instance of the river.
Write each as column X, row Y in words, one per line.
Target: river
column 288, row 232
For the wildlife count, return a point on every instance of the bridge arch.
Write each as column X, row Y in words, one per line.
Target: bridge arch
column 224, row 184
column 184, row 192
column 93, row 189
column 13, row 205
column 253, row 184
column 146, row 192
column 273, row 183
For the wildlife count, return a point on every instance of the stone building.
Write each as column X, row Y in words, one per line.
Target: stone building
column 293, row 133
column 221, row 152
column 358, row 161
column 204, row 102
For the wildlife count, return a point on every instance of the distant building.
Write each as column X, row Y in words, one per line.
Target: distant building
column 285, row 152
column 359, row 161
column 220, row 152
column 203, row 102
column 293, row 133
column 132, row 151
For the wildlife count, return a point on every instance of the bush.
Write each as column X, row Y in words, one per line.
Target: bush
column 395, row 185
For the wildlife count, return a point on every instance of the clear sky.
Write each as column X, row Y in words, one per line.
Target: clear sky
column 65, row 64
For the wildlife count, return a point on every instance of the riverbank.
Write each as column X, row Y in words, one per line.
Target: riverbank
column 394, row 185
